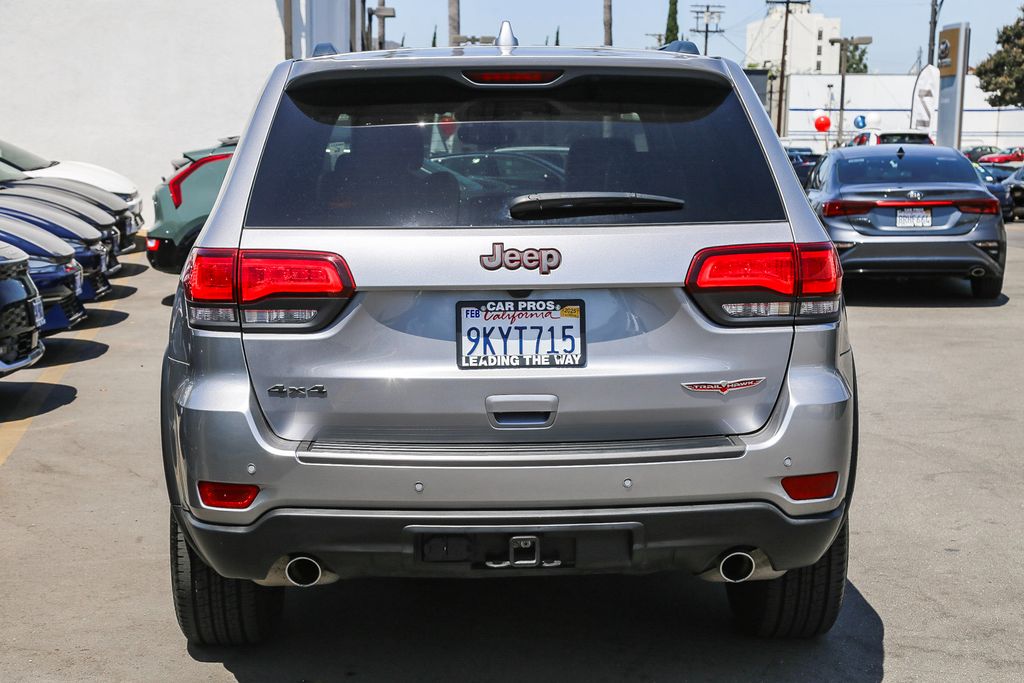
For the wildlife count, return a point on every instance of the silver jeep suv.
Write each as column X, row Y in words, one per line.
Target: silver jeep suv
column 629, row 355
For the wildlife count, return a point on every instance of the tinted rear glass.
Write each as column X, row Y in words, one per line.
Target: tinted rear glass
column 947, row 168
column 425, row 152
column 904, row 138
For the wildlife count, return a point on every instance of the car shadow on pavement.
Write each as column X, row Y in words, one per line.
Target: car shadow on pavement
column 61, row 351
column 915, row 293
column 119, row 292
column 101, row 317
column 19, row 400
column 130, row 270
column 610, row 628
column 167, row 300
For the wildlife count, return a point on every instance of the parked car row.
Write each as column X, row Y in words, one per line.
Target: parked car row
column 63, row 226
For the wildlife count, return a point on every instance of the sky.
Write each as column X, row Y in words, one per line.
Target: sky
column 898, row 27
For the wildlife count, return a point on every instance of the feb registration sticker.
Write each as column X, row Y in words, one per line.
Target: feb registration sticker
column 521, row 333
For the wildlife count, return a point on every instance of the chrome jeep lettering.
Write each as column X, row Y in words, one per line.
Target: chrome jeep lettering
column 542, row 260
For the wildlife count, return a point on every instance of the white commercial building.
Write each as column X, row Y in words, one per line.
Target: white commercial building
column 885, row 100
column 807, row 46
column 131, row 84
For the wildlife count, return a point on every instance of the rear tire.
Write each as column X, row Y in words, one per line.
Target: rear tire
column 987, row 287
column 802, row 603
column 213, row 610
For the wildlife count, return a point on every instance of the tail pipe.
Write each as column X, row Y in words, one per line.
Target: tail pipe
column 977, row 271
column 303, row 571
column 737, row 567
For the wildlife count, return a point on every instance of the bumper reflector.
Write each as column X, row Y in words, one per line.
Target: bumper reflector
column 232, row 496
column 811, row 486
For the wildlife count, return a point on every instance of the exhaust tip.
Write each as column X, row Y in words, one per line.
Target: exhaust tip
column 736, row 567
column 303, row 571
column 977, row 271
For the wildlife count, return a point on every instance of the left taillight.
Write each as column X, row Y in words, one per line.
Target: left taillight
column 767, row 284
column 260, row 290
column 175, row 183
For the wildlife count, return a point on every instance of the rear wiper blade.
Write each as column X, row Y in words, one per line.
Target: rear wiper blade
column 563, row 204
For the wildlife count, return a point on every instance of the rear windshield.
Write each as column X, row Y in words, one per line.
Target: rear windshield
column 435, row 152
column 948, row 168
column 904, row 138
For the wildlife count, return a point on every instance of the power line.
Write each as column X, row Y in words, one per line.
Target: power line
column 711, row 14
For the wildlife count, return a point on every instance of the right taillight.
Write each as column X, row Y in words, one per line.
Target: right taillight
column 767, row 284
column 259, row 290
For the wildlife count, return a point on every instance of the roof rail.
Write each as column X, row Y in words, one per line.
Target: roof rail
column 685, row 46
column 324, row 49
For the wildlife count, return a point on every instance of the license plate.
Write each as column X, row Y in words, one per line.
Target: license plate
column 103, row 262
column 37, row 311
column 79, row 280
column 913, row 218
column 521, row 333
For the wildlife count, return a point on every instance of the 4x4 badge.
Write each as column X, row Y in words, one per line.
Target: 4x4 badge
column 542, row 260
column 724, row 387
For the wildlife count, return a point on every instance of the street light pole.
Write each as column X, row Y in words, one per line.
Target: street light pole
column 844, row 47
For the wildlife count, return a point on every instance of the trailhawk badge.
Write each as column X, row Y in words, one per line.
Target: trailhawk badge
column 724, row 387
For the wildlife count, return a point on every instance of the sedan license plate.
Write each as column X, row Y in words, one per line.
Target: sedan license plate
column 913, row 218
column 37, row 312
column 521, row 333
column 79, row 281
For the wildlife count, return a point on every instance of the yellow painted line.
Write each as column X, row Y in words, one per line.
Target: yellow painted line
column 11, row 433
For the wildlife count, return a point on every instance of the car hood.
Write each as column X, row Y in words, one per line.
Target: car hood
column 108, row 201
column 10, row 253
column 87, row 173
column 48, row 218
column 35, row 241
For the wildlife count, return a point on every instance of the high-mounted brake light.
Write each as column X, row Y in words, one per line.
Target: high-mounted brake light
column 767, row 284
column 230, row 496
column 174, row 184
column 512, row 77
column 271, row 290
column 811, row 486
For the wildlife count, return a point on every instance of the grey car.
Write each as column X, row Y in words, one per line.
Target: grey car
column 914, row 210
column 376, row 371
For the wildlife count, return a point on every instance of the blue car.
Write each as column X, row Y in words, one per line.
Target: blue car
column 994, row 183
column 53, row 270
column 21, row 312
column 84, row 239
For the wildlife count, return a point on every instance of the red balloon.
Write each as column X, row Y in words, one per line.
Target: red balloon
column 448, row 125
column 822, row 123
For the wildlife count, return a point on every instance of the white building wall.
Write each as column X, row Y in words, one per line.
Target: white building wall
column 808, row 49
column 131, row 84
column 889, row 97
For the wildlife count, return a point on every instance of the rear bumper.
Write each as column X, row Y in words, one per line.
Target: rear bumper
column 349, row 543
column 919, row 258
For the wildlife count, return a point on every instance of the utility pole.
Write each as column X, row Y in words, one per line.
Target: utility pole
column 782, row 66
column 844, row 49
column 381, row 12
column 712, row 14
column 936, row 8
column 453, row 22
column 286, row 15
column 607, row 22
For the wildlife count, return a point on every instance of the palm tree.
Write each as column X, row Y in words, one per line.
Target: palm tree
column 607, row 22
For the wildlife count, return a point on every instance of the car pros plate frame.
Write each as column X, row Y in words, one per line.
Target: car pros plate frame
column 520, row 333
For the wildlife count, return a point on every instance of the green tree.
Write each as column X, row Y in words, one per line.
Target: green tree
column 433, row 42
column 1001, row 74
column 557, row 31
column 672, row 25
column 857, row 59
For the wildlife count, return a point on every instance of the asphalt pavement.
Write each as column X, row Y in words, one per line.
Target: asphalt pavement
column 936, row 588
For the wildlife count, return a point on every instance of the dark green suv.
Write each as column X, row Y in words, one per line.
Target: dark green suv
column 183, row 203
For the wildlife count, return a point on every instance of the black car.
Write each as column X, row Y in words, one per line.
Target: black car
column 803, row 163
column 1014, row 184
column 21, row 312
column 977, row 152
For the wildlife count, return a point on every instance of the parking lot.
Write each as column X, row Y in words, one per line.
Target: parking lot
column 936, row 576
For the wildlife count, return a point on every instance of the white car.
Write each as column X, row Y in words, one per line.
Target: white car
column 36, row 166
column 891, row 136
